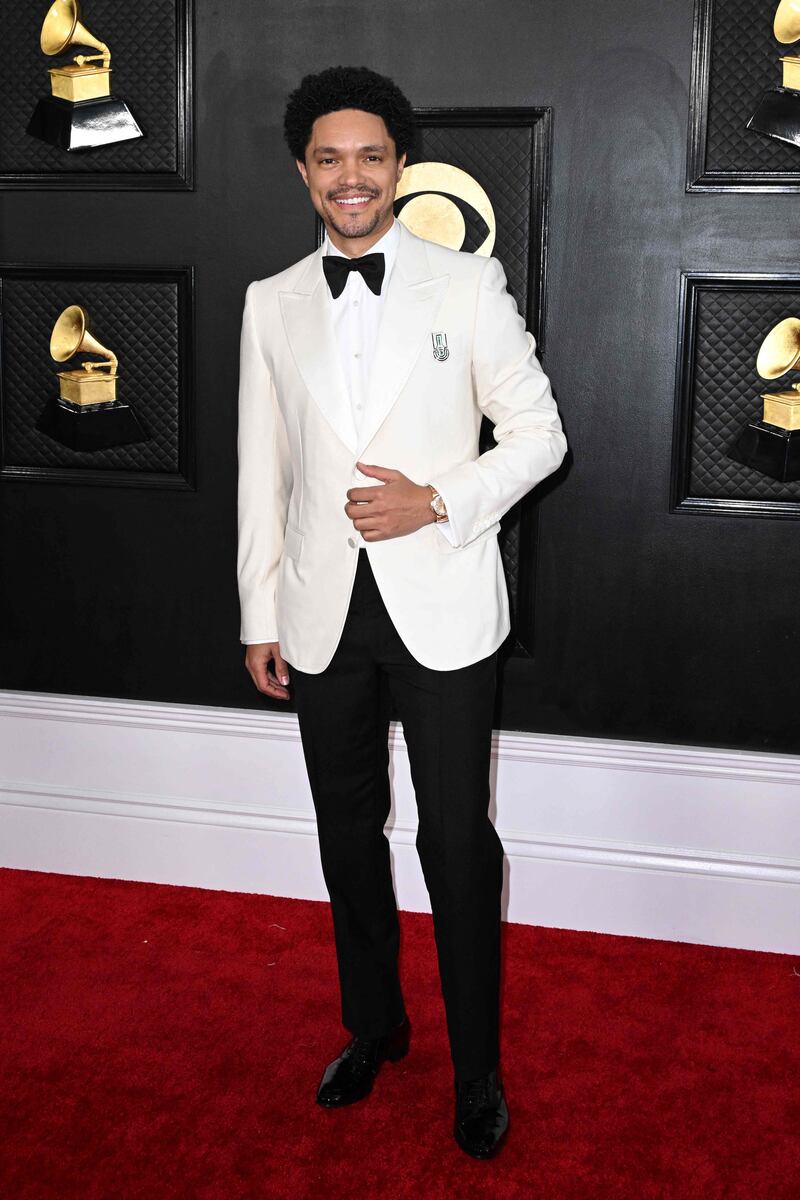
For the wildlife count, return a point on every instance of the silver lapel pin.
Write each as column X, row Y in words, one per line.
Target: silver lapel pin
column 440, row 350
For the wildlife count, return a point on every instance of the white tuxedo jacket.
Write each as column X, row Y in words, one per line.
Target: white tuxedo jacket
column 297, row 449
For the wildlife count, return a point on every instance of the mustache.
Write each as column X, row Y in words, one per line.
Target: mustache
column 350, row 192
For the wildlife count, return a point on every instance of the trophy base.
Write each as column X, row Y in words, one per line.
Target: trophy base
column 83, row 124
column 769, row 449
column 777, row 115
column 91, row 426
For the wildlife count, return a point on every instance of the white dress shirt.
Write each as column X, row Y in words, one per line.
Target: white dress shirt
column 357, row 314
column 356, row 317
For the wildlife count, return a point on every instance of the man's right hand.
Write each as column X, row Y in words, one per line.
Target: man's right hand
column 258, row 659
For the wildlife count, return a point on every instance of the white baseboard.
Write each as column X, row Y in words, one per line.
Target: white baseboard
column 630, row 838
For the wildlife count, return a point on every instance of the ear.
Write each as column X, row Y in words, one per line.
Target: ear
column 401, row 162
column 301, row 166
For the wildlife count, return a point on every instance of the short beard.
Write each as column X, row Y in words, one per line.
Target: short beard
column 361, row 230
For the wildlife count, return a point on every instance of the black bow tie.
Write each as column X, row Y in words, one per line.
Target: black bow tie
column 337, row 268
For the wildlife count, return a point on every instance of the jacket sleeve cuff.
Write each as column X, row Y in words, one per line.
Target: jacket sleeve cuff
column 457, row 489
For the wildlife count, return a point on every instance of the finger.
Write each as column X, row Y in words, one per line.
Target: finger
column 364, row 493
column 363, row 510
column 271, row 687
column 378, row 472
column 362, row 523
column 281, row 669
column 274, row 684
column 266, row 682
column 276, row 691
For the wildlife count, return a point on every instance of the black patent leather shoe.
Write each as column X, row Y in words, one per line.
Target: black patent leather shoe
column 481, row 1115
column 350, row 1076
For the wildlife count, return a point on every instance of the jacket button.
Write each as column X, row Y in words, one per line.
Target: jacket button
column 351, row 542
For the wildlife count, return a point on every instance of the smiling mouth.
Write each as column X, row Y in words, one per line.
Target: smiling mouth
column 352, row 203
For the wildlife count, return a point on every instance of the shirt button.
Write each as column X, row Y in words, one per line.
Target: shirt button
column 351, row 542
column 357, row 354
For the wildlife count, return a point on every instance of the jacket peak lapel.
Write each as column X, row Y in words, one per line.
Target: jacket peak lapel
column 413, row 299
column 309, row 329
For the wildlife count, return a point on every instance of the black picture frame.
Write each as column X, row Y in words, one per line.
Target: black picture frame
column 683, row 499
column 184, row 477
column 181, row 179
column 700, row 175
column 519, row 533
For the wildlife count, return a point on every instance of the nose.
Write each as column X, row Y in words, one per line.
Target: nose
column 350, row 176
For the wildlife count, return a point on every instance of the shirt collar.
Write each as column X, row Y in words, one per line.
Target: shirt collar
column 386, row 245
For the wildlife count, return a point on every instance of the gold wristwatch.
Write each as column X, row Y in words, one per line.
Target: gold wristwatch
column 437, row 504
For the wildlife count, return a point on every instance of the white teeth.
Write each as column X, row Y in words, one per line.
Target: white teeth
column 353, row 200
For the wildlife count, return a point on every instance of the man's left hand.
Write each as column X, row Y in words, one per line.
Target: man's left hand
column 396, row 507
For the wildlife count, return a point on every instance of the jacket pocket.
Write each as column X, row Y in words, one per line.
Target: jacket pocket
column 292, row 542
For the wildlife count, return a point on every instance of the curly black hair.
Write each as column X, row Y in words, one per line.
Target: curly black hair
column 346, row 87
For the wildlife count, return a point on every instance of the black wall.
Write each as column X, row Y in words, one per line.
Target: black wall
column 650, row 625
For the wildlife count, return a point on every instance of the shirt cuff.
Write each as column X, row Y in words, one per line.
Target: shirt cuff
column 444, row 527
column 449, row 527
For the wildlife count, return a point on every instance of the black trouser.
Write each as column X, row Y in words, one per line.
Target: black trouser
column 344, row 714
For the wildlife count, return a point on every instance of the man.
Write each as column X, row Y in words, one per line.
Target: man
column 368, row 564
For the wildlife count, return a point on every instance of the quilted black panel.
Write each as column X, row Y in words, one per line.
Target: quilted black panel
column 744, row 62
column 139, row 321
column 500, row 158
column 731, row 326
column 143, row 39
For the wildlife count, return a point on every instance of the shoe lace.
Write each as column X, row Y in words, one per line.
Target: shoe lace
column 475, row 1094
column 363, row 1050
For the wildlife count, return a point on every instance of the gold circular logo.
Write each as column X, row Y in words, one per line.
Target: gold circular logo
column 444, row 204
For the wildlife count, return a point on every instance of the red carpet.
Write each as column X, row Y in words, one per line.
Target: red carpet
column 167, row 1042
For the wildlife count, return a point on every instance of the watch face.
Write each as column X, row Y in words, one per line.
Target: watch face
column 438, row 507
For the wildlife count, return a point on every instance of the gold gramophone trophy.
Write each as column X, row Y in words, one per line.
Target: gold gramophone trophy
column 80, row 113
column 778, row 112
column 772, row 445
column 87, row 414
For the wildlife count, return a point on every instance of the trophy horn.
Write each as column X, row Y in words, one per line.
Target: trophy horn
column 786, row 26
column 780, row 350
column 71, row 336
column 62, row 27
